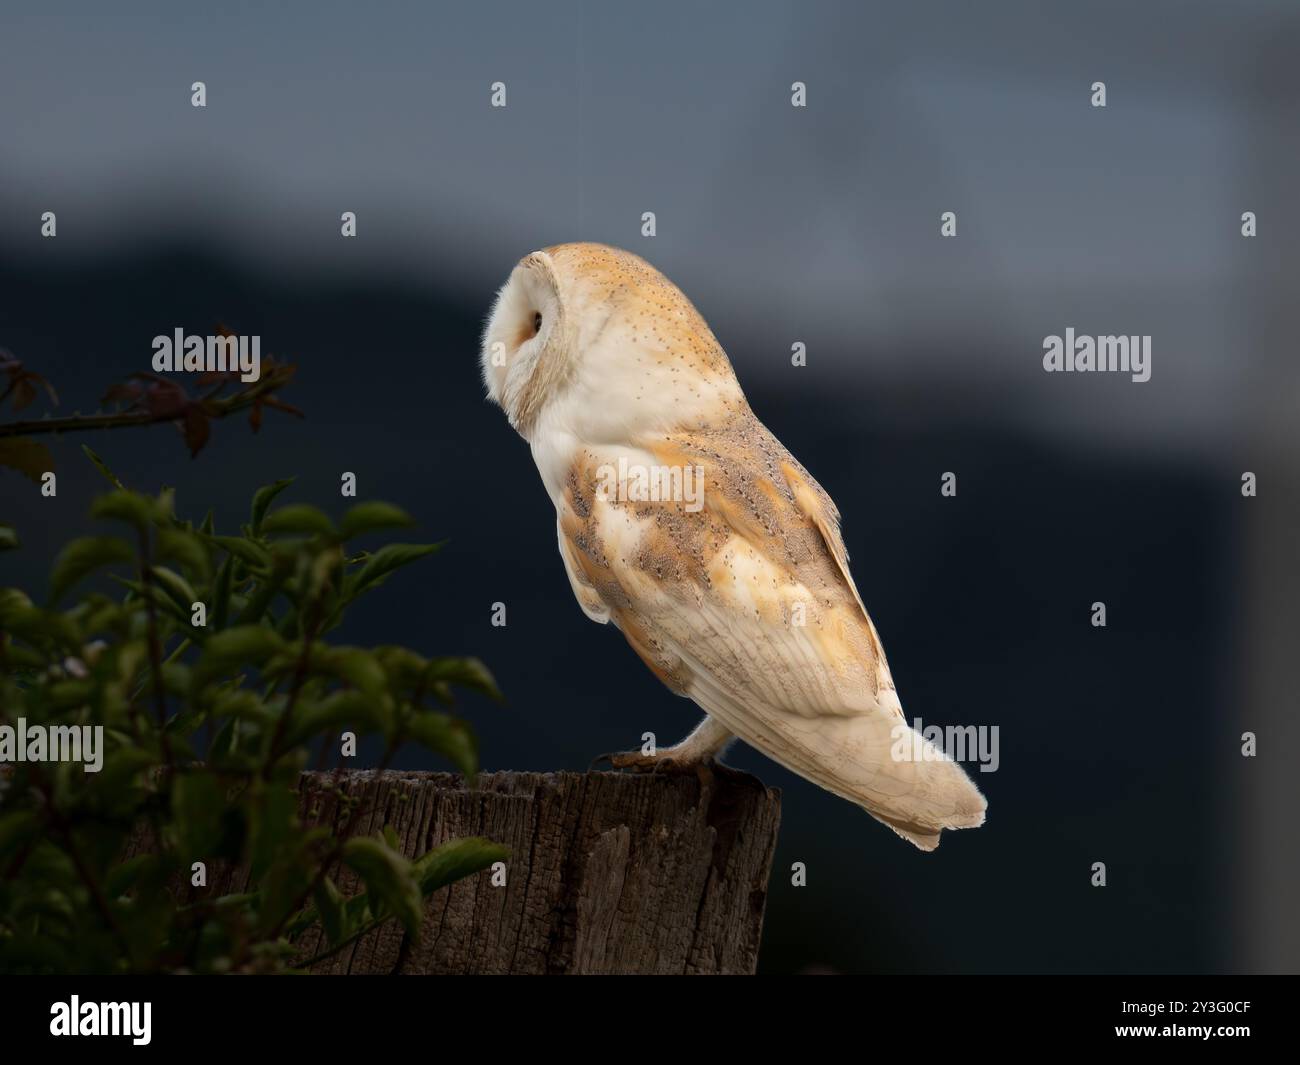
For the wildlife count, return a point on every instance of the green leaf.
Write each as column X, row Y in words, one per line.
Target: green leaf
column 365, row 517
column 247, row 551
column 241, row 703
column 185, row 548
column 197, row 803
column 165, row 505
column 165, row 602
column 16, row 829
column 405, row 668
column 466, row 672
column 456, row 859
column 27, row 456
column 176, row 586
column 225, row 652
column 358, row 667
column 178, row 679
column 320, row 575
column 39, row 626
column 69, row 694
column 384, row 561
column 329, row 904
column 123, row 876
column 18, row 657
column 8, row 537
column 312, row 717
column 102, row 467
column 221, row 595
column 263, row 498
column 11, row 599
column 285, row 882
column 298, row 518
column 224, row 749
column 121, row 766
column 130, row 507
column 260, row 600
column 84, row 556
column 447, row 736
column 274, row 814
column 389, row 878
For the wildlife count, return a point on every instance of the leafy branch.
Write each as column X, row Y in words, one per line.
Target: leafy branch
column 229, row 637
column 143, row 399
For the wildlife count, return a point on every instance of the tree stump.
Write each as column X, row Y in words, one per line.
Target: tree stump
column 608, row 873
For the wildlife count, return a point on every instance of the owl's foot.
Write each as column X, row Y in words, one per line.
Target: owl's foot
column 698, row 751
column 662, row 762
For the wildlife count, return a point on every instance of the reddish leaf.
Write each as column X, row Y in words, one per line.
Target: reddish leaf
column 279, row 404
column 210, row 377
column 123, row 392
column 197, row 428
column 166, row 399
column 24, row 392
column 49, row 388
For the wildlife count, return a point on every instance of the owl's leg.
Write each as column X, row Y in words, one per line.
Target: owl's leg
column 701, row 747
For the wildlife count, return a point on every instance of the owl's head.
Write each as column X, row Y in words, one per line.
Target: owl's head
column 598, row 337
column 528, row 342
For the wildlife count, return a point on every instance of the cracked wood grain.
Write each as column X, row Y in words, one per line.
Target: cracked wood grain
column 609, row 873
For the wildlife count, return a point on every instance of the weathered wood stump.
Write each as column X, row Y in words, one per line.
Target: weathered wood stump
column 609, row 872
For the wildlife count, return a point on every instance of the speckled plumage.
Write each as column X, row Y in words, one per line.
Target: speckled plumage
column 741, row 600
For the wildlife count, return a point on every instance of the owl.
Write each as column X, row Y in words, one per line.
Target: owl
column 684, row 522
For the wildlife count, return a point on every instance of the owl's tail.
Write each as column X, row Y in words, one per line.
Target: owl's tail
column 916, row 789
column 873, row 759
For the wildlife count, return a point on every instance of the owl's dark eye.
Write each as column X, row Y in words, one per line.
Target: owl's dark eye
column 537, row 322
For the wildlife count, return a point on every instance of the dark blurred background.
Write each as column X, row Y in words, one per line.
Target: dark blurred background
column 818, row 225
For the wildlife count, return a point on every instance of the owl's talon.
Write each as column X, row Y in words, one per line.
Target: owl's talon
column 635, row 761
column 642, row 763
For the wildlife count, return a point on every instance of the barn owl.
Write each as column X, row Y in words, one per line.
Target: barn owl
column 683, row 521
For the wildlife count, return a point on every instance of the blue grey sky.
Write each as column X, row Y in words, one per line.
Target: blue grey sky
column 818, row 224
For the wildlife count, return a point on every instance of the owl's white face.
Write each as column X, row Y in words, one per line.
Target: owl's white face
column 524, row 343
column 593, row 342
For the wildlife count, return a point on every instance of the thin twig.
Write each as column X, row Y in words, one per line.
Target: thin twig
column 212, row 407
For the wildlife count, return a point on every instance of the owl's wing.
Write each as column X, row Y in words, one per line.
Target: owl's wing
column 746, row 605
column 588, row 598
